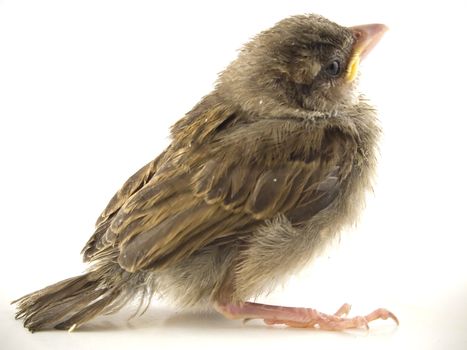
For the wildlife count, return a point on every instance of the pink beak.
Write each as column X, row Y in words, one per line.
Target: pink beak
column 366, row 37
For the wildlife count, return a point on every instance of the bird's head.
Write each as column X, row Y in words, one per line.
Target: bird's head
column 305, row 62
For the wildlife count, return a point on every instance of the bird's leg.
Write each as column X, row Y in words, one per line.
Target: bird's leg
column 299, row 317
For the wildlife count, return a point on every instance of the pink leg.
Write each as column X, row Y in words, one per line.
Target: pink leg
column 298, row 317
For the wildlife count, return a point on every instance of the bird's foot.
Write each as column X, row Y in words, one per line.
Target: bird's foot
column 298, row 317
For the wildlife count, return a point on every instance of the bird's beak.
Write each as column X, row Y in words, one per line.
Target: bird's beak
column 366, row 37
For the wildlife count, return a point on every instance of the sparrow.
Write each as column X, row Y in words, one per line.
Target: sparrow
column 259, row 176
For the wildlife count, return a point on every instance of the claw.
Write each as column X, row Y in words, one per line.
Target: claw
column 382, row 314
column 343, row 310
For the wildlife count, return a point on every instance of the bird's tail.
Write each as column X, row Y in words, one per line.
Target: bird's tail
column 74, row 301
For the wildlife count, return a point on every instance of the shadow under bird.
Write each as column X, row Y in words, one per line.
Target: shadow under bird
column 259, row 176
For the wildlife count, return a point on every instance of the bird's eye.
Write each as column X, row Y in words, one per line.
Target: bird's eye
column 333, row 68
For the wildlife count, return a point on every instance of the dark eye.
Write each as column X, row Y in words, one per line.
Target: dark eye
column 333, row 68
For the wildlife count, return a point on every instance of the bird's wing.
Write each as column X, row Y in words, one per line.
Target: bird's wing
column 130, row 187
column 234, row 183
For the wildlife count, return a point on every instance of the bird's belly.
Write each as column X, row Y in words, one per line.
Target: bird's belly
column 195, row 281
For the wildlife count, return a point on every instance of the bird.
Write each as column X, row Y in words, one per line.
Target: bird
column 259, row 177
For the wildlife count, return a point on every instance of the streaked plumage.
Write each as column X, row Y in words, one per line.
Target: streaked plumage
column 258, row 177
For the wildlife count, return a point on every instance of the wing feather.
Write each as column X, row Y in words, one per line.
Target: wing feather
column 212, row 192
column 131, row 186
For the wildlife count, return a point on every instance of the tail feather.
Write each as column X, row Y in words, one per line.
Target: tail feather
column 88, row 312
column 72, row 302
column 34, row 302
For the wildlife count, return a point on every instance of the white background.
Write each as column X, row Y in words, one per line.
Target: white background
column 88, row 90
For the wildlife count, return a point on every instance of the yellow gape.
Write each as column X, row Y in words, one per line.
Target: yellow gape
column 352, row 68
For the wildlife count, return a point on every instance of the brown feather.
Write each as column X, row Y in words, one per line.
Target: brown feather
column 259, row 175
